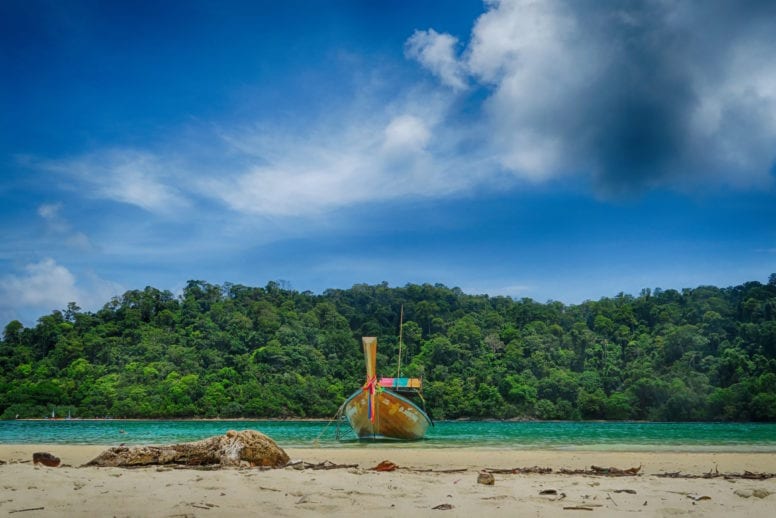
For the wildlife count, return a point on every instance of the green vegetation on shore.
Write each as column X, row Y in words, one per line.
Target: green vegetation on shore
column 235, row 351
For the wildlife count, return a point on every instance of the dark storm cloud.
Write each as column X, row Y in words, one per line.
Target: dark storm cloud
column 635, row 117
column 636, row 94
column 642, row 132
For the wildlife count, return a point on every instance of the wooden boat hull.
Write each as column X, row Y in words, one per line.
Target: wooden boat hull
column 395, row 417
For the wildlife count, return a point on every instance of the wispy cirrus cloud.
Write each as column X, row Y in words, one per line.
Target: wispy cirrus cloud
column 57, row 225
column 400, row 149
column 143, row 178
column 50, row 213
column 398, row 152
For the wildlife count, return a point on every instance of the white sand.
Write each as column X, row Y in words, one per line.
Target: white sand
column 73, row 491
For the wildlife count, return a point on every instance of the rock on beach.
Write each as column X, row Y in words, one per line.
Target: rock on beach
column 45, row 458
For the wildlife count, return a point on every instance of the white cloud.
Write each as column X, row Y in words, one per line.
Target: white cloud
column 527, row 53
column 57, row 225
column 385, row 158
column 141, row 178
column 79, row 240
column 295, row 175
column 49, row 211
column 282, row 191
column 532, row 38
column 46, row 285
column 436, row 52
column 735, row 121
column 406, row 133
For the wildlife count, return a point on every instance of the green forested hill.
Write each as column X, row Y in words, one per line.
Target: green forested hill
column 232, row 350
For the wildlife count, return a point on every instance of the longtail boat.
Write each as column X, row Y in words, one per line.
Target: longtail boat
column 377, row 411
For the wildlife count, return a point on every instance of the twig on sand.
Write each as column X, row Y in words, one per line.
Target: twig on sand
column 748, row 475
column 330, row 465
column 204, row 505
column 616, row 471
column 598, row 470
column 326, row 464
column 594, row 470
column 25, row 510
column 429, row 470
column 519, row 471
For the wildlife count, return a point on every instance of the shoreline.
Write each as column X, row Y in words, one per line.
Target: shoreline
column 356, row 445
column 195, row 419
column 325, row 419
column 428, row 480
column 474, row 458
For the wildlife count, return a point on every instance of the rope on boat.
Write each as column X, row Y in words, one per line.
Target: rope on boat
column 423, row 400
column 337, row 417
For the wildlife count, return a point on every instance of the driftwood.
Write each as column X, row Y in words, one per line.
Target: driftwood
column 748, row 475
column 385, row 465
column 629, row 472
column 430, row 470
column 246, row 448
column 327, row 464
column 616, row 471
column 519, row 471
column 594, row 470
column 598, row 470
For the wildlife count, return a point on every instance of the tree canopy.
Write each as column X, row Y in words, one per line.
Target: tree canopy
column 229, row 350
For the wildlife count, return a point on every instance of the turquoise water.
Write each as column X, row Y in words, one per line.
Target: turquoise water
column 617, row 436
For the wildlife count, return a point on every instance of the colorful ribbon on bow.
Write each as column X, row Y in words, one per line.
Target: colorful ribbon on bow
column 371, row 387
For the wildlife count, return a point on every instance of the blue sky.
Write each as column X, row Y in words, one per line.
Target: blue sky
column 552, row 150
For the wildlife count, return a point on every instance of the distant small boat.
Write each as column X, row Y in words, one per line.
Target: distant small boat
column 376, row 411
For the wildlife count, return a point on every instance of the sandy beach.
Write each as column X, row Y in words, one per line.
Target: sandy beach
column 27, row 490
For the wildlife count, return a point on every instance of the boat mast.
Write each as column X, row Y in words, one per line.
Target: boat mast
column 401, row 326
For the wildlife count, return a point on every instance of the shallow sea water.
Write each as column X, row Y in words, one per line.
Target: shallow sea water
column 580, row 435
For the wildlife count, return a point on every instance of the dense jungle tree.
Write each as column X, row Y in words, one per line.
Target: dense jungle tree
column 233, row 350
